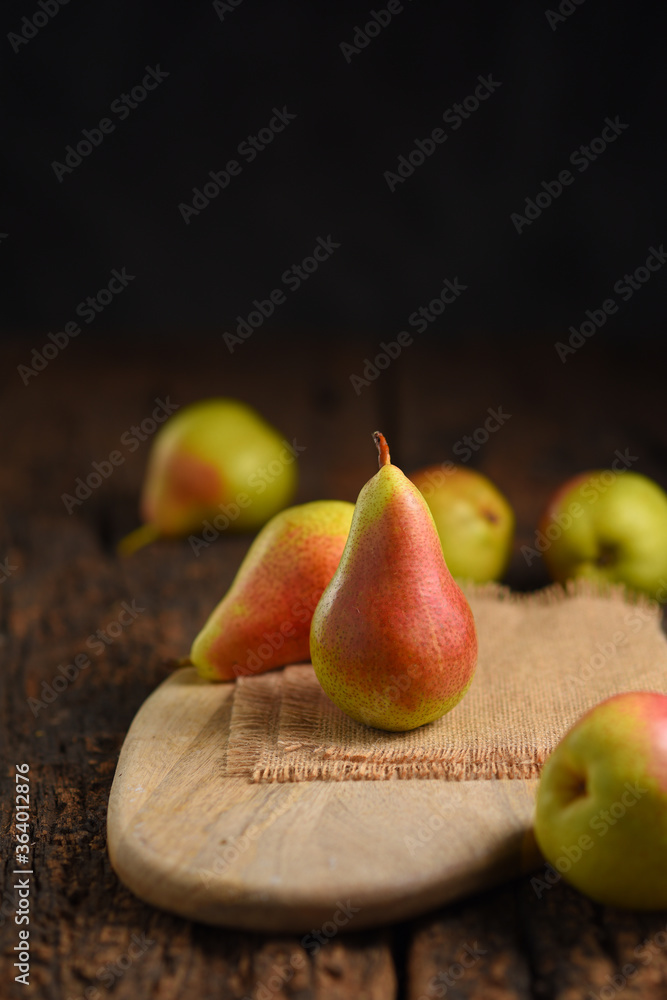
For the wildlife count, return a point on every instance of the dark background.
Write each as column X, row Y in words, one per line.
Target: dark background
column 324, row 174
column 162, row 338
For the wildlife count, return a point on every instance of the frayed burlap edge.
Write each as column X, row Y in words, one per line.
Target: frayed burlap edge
column 261, row 702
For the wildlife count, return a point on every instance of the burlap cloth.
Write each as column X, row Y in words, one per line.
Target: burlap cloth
column 544, row 659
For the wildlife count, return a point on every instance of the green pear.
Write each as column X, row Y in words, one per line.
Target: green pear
column 217, row 458
column 263, row 621
column 393, row 639
column 474, row 520
column 610, row 526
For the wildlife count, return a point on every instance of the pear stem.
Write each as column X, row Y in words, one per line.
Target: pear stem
column 144, row 535
column 383, row 449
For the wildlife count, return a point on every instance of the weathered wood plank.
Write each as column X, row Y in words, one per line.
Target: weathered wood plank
column 88, row 933
column 470, row 950
column 560, row 945
column 67, row 584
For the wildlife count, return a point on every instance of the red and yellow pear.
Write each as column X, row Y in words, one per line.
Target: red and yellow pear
column 263, row 621
column 393, row 639
column 601, row 811
column 214, row 458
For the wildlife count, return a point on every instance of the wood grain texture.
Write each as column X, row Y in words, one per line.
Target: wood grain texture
column 68, row 583
column 185, row 836
column 88, row 930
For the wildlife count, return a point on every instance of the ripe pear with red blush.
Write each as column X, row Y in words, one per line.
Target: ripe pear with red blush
column 263, row 621
column 601, row 809
column 214, row 461
column 393, row 640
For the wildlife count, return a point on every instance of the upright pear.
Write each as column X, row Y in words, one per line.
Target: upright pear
column 393, row 639
column 263, row 621
column 216, row 460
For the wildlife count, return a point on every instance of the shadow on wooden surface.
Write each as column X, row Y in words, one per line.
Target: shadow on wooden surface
column 66, row 585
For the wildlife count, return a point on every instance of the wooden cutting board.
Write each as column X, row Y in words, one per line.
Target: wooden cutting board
column 187, row 838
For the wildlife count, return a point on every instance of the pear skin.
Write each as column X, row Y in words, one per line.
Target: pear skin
column 609, row 526
column 393, row 640
column 263, row 621
column 214, row 458
column 474, row 520
column 603, row 794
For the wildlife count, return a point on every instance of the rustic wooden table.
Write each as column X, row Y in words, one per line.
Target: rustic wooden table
column 61, row 582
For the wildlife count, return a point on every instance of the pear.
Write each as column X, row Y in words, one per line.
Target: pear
column 218, row 459
column 474, row 520
column 393, row 640
column 263, row 621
